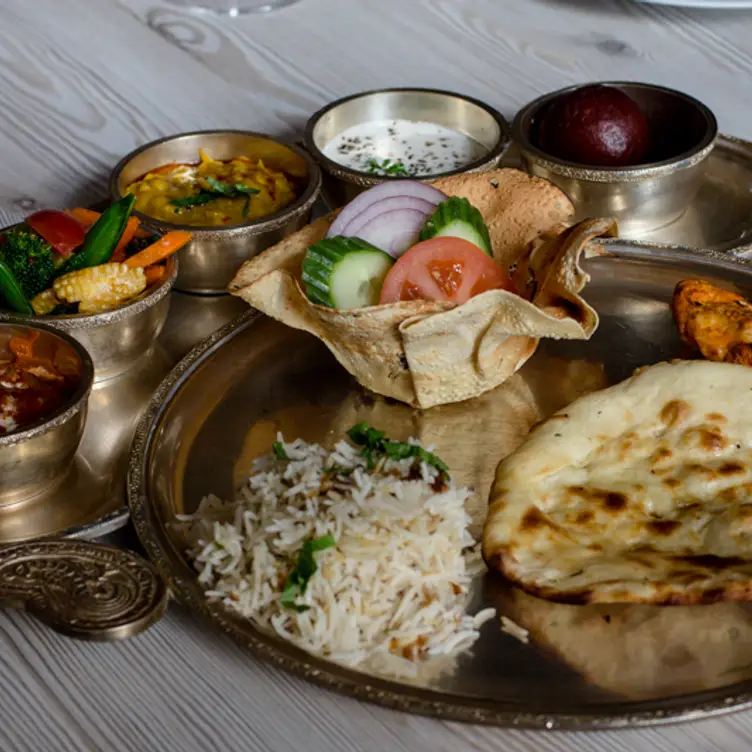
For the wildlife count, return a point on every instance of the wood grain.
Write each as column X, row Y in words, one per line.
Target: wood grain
column 82, row 84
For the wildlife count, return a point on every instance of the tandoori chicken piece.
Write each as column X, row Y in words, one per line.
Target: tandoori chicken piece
column 715, row 321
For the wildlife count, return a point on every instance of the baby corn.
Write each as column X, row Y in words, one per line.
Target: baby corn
column 45, row 302
column 105, row 284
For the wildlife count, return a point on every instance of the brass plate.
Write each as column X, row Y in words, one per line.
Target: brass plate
column 720, row 217
column 90, row 501
column 586, row 666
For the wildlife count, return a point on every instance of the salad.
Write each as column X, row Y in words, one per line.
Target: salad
column 81, row 262
column 431, row 294
column 403, row 241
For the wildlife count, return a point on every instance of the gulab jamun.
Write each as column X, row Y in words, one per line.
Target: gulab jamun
column 595, row 125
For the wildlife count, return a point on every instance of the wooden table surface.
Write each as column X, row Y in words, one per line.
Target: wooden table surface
column 82, row 83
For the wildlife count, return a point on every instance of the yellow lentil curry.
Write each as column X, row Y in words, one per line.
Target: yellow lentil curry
column 213, row 193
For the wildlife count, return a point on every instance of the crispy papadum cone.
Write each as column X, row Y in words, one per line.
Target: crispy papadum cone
column 429, row 353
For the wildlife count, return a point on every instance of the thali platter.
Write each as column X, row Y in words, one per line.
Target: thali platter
column 584, row 666
column 718, row 218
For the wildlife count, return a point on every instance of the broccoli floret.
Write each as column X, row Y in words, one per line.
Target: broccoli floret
column 30, row 259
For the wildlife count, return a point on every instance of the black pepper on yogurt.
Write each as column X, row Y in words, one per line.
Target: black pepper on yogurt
column 403, row 148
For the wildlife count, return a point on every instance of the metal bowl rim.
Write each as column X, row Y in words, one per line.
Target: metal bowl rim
column 611, row 174
column 491, row 157
column 254, row 226
column 427, row 702
column 75, row 321
column 72, row 406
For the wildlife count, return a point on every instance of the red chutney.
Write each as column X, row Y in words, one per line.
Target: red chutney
column 33, row 387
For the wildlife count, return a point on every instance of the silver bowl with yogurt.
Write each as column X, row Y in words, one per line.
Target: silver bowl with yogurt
column 392, row 134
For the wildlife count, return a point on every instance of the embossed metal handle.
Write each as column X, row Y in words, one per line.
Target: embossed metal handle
column 86, row 590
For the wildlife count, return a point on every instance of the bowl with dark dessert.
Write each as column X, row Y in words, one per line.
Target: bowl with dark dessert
column 633, row 151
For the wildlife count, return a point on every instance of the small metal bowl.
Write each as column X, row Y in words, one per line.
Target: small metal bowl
column 642, row 198
column 209, row 262
column 35, row 456
column 464, row 114
column 117, row 339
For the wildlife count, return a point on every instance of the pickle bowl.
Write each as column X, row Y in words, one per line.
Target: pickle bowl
column 116, row 339
column 643, row 197
column 213, row 256
column 468, row 117
column 36, row 455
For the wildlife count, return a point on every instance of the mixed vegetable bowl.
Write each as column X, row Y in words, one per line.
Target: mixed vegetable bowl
column 80, row 261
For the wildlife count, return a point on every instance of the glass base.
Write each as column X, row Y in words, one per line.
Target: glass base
column 232, row 8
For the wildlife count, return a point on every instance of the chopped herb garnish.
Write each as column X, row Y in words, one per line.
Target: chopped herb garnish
column 386, row 167
column 279, row 450
column 218, row 190
column 204, row 197
column 376, row 444
column 300, row 575
column 339, row 470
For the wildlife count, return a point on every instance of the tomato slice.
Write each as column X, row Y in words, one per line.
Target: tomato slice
column 443, row 268
column 60, row 230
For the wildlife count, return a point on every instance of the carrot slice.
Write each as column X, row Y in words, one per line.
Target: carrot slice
column 129, row 233
column 87, row 217
column 153, row 274
column 164, row 247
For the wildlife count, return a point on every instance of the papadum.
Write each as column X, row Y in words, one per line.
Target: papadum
column 428, row 353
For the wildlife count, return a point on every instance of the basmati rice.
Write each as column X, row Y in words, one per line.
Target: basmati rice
column 390, row 596
column 514, row 630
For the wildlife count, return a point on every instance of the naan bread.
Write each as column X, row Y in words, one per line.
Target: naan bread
column 638, row 493
column 429, row 353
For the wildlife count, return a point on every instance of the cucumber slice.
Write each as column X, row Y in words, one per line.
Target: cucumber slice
column 344, row 272
column 458, row 218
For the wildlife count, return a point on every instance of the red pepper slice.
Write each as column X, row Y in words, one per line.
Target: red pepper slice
column 60, row 230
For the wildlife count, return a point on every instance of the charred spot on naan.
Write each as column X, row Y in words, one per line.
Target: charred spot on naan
column 661, row 454
column 707, row 438
column 732, row 468
column 663, row 527
column 611, row 501
column 716, row 418
column 534, row 519
column 674, row 412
